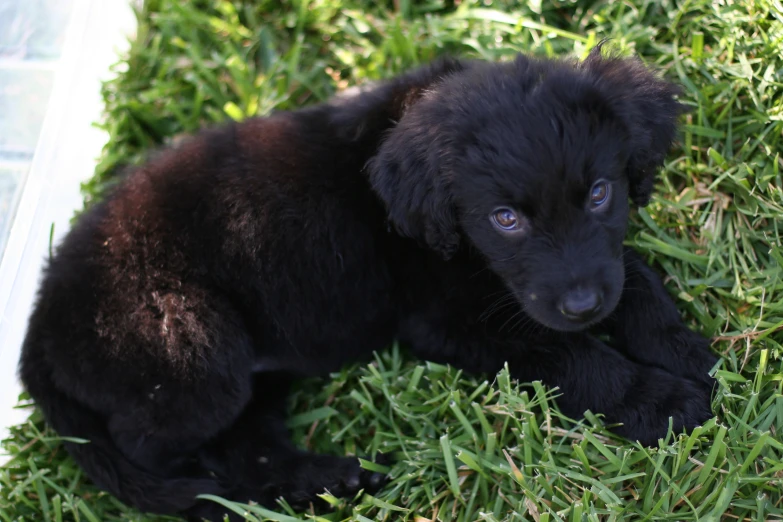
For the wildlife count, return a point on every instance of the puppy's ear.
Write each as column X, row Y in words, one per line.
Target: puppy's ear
column 408, row 173
column 647, row 106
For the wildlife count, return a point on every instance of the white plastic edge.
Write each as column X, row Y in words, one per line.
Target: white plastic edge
column 65, row 157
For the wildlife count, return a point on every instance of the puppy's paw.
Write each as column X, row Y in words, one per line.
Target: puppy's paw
column 340, row 476
column 696, row 357
column 656, row 397
column 679, row 351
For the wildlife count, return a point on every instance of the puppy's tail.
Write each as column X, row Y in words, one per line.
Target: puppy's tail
column 100, row 458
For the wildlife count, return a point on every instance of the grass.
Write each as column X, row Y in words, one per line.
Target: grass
column 472, row 449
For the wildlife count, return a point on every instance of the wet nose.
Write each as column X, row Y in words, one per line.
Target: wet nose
column 581, row 305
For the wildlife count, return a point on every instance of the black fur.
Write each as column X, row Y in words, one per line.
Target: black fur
column 176, row 312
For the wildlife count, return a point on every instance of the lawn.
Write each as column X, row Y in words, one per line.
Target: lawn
column 487, row 448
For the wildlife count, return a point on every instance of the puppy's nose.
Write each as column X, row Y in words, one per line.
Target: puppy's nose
column 581, row 305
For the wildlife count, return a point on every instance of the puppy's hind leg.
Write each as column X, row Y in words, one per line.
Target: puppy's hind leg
column 257, row 462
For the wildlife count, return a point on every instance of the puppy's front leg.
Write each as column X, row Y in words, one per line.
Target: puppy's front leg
column 590, row 375
column 648, row 327
column 594, row 377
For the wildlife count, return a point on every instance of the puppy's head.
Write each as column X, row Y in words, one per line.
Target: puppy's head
column 533, row 163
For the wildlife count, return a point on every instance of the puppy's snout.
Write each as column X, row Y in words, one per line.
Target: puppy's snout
column 581, row 305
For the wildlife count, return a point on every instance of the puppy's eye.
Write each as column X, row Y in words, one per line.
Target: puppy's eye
column 600, row 194
column 506, row 219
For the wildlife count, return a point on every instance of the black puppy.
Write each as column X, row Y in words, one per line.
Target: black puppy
column 475, row 211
